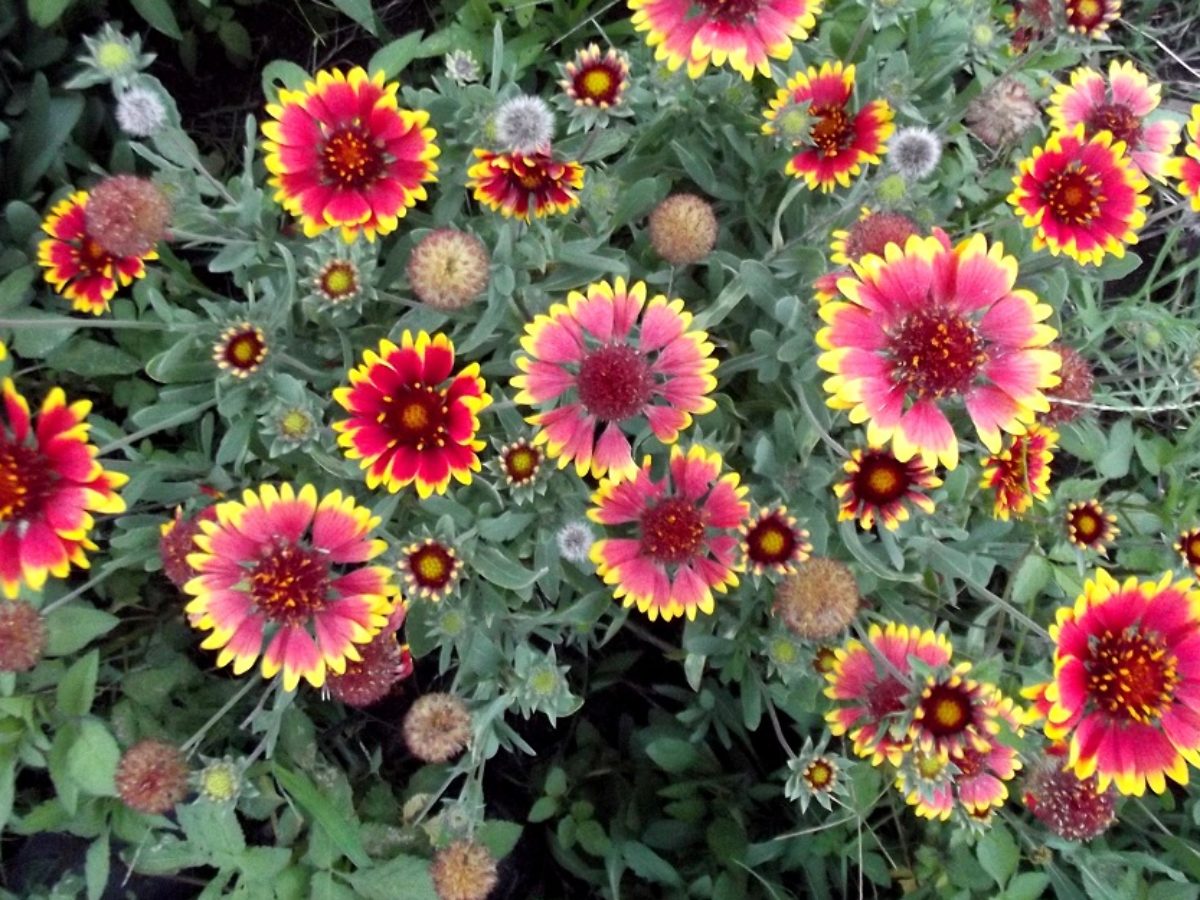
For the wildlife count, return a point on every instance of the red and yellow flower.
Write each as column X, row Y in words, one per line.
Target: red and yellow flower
column 1089, row 527
column 1082, row 196
column 50, row 485
column 407, row 425
column 524, row 185
column 1020, row 473
column 75, row 263
column 607, row 362
column 1126, row 684
column 928, row 324
column 682, row 532
column 343, row 154
column 240, row 350
column 595, row 79
column 774, row 542
column 878, row 486
column 743, row 34
column 954, row 713
column 839, row 141
column 1186, row 168
column 1187, row 545
column 871, row 686
column 1119, row 105
column 1091, row 18
column 284, row 569
column 430, row 569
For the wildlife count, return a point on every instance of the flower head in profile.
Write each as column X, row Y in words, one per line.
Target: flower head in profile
column 1020, row 473
column 51, row 484
column 839, row 140
column 524, row 125
column 525, row 185
column 1089, row 527
column 870, row 234
column 413, row 420
column 284, row 569
column 606, row 363
column 1082, row 196
column 742, row 34
column 241, row 349
column 914, row 152
column 879, row 488
column 1125, row 693
column 594, row 83
column 1186, row 168
column 343, row 154
column 1121, row 105
column 77, row 266
column 871, row 686
column 430, row 569
column 931, row 325
column 679, row 537
column 773, row 542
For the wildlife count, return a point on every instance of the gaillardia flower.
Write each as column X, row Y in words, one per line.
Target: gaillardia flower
column 607, row 362
column 773, row 542
column 75, row 263
column 1070, row 806
column 596, row 80
column 872, row 233
column 1082, row 196
column 683, row 229
column 519, row 463
column 1089, row 527
column 879, row 487
column 1020, row 473
column 1075, row 387
column 1126, row 684
column 50, row 485
column 931, row 323
column 871, row 695
column 683, row 535
column 525, row 185
column 281, row 568
column 22, row 636
column 1120, row 106
column 1187, row 545
column 954, row 712
column 240, row 350
column 384, row 662
column 448, row 269
column 743, row 34
column 406, row 424
column 839, row 141
column 1091, row 18
column 430, row 569
column 176, row 541
column 343, row 154
column 1186, row 168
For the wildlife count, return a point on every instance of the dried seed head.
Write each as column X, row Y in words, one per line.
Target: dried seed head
column 683, row 229
column 127, row 215
column 437, row 728
column 819, row 601
column 152, row 777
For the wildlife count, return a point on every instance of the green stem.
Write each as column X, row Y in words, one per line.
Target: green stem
column 194, row 741
column 110, row 324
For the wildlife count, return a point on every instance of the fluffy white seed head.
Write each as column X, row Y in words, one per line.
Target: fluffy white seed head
column 524, row 124
column 140, row 112
column 575, row 541
column 914, row 153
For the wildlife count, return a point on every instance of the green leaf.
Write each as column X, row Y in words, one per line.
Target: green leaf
column 285, row 72
column 77, row 688
column 46, row 12
column 360, row 11
column 1114, row 461
column 501, row 570
column 673, row 755
column 1027, row 886
column 499, row 836
column 42, row 131
column 1031, row 579
column 95, row 868
column 158, row 16
column 341, row 831
column 8, row 778
column 92, row 759
column 16, row 284
column 998, row 854
column 542, row 809
column 71, row 628
column 649, row 865
column 215, row 828
column 383, row 882
column 89, row 358
column 393, row 57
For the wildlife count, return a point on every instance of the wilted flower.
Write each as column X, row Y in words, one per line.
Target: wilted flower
column 1075, row 387
column 127, row 215
column 683, row 229
column 465, row 870
column 1002, row 113
column 22, row 636
column 152, row 777
column 525, row 125
column 384, row 663
column 461, row 67
column 176, row 542
column 870, row 233
column 437, row 727
column 914, row 152
column 819, row 600
column 1072, row 807
column 140, row 112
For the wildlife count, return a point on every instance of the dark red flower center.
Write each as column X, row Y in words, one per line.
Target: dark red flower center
column 732, row 12
column 770, row 541
column 1086, row 524
column 819, row 775
column 832, row 131
column 351, row 159
column 432, row 566
column 1117, row 118
column 824, row 660
column 244, row 350
column 1131, row 674
column 1073, row 195
column 93, row 258
column 416, row 416
column 521, row 463
column 886, row 698
column 873, row 233
column 1085, row 14
column 672, row 530
column 970, row 762
column 881, row 479
column 946, row 711
column 597, row 81
column 937, row 352
column 290, row 583
column 27, row 481
column 615, row 382
column 1190, row 546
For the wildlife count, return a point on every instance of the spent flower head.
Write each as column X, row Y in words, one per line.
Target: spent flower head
column 914, row 153
column 524, row 124
column 575, row 541
column 140, row 112
column 461, row 67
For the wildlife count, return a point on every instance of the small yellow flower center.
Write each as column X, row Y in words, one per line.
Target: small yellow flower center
column 597, row 83
column 113, row 56
column 1087, row 9
column 929, row 766
column 771, row 542
column 414, row 416
column 219, row 782
column 339, row 280
column 819, row 774
column 431, row 567
column 544, row 682
column 295, row 423
column 784, row 651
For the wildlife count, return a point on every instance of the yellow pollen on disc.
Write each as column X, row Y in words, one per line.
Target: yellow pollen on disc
column 530, row 182
column 1088, row 8
column 597, row 83
column 431, row 567
column 771, row 542
column 818, row 774
column 883, row 480
column 1087, row 525
column 949, row 713
column 243, row 350
column 521, row 463
column 930, row 766
column 414, row 416
column 339, row 280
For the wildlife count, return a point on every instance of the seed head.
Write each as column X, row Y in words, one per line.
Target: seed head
column 22, row 636
column 465, row 870
column 683, row 229
column 1002, row 113
column 575, row 541
column 140, row 112
column 461, row 67
column 1075, row 387
column 127, row 215
column 152, row 777
column 914, row 153
column 525, row 124
column 437, row 728
column 819, row 601
column 1070, row 807
column 448, row 268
